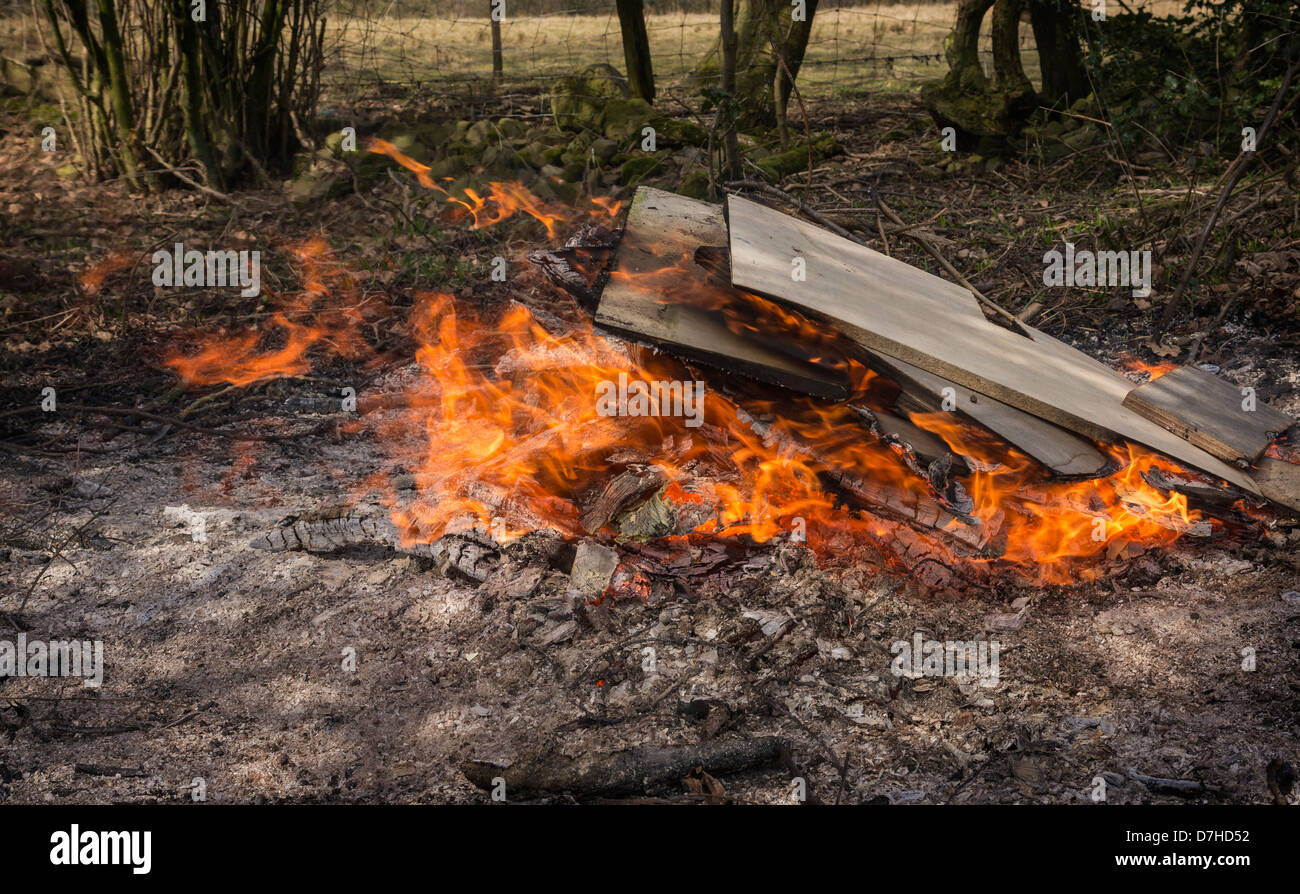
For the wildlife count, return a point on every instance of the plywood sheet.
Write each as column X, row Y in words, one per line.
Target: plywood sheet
column 660, row 237
column 1279, row 481
column 929, row 326
column 1063, row 452
column 1206, row 410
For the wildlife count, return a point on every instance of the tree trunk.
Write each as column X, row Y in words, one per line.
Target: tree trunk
column 1008, row 74
column 759, row 24
column 636, row 49
column 1060, row 52
column 962, row 46
column 119, row 91
column 730, row 143
column 192, row 78
column 793, row 48
column 986, row 113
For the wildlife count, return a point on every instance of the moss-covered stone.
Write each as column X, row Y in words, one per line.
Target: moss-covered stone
column 578, row 100
column 511, row 128
column 480, row 133
column 1084, row 136
column 623, row 119
column 604, row 149
column 783, row 164
column 638, row 167
column 695, row 186
column 679, row 131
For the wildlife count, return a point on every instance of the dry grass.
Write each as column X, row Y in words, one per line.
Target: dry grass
column 872, row 46
column 849, row 47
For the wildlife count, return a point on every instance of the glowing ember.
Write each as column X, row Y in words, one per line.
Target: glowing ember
column 1151, row 371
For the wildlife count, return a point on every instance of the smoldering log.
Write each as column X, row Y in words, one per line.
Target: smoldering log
column 632, row 771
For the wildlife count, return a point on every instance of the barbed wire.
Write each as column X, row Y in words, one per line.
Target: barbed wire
column 851, row 48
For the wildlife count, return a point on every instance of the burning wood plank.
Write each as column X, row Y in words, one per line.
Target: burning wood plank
column 1210, row 413
column 911, row 507
column 928, row 325
column 655, row 267
column 1064, row 453
column 1279, row 481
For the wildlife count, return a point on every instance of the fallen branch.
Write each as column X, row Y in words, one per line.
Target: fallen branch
column 943, row 262
column 817, row 216
column 1183, row 788
column 633, row 771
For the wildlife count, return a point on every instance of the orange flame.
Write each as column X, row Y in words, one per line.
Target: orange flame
column 1152, row 371
column 503, row 200
column 502, row 430
column 311, row 318
column 92, row 278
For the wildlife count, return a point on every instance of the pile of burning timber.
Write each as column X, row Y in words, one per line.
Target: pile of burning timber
column 930, row 338
column 753, row 292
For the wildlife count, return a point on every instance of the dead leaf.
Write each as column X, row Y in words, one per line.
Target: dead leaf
column 1162, row 349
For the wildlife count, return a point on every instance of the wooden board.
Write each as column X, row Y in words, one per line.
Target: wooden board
column 929, row 326
column 1279, row 481
column 1206, row 410
column 1062, row 452
column 662, row 232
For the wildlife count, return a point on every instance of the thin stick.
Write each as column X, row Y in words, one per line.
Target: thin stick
column 1239, row 166
column 943, row 262
column 206, row 190
column 769, row 189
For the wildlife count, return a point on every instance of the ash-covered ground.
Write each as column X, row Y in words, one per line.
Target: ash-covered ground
column 226, row 664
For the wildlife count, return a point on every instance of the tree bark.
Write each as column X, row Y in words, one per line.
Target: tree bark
column 758, row 25
column 1008, row 73
column 192, row 79
column 119, row 91
column 727, row 40
column 793, row 49
column 636, row 49
column 1060, row 52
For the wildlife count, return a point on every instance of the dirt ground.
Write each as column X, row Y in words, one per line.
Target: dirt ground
column 226, row 664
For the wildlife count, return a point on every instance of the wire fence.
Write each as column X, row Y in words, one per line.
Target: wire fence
column 448, row 46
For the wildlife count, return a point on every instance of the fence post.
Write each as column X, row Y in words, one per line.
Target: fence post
column 496, row 12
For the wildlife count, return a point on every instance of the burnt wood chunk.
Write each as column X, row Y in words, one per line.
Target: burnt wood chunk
column 338, row 528
column 1207, row 411
column 930, row 323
